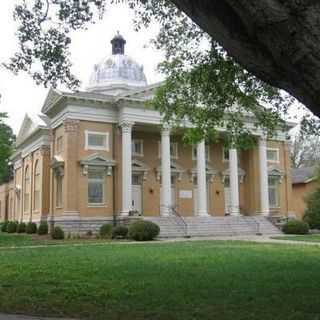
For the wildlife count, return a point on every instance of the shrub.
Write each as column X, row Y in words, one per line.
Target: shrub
column 12, row 227
column 21, row 227
column 43, row 228
column 143, row 230
column 4, row 226
column 120, row 232
column 296, row 227
column 31, row 228
column 89, row 233
column 312, row 213
column 106, row 231
column 57, row 233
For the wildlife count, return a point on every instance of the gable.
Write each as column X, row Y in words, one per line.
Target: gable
column 145, row 93
column 27, row 127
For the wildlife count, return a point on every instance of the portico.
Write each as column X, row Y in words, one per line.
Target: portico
column 184, row 176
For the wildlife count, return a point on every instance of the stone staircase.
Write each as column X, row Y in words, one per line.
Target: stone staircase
column 175, row 227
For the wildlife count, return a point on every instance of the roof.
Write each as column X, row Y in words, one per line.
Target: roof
column 29, row 126
column 304, row 175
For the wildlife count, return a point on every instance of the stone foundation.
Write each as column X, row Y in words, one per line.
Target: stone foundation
column 83, row 226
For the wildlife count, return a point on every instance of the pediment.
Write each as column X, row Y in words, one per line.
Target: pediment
column 145, row 93
column 97, row 159
column 175, row 167
column 52, row 97
column 241, row 172
column 57, row 161
column 275, row 171
column 27, row 127
column 138, row 165
column 209, row 169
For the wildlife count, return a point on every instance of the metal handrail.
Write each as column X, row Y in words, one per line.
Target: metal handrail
column 257, row 226
column 173, row 211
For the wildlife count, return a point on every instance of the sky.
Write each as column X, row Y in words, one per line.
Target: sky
column 20, row 94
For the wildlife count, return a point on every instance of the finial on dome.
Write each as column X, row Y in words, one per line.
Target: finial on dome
column 118, row 44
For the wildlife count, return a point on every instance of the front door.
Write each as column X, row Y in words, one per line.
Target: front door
column 227, row 196
column 173, row 196
column 136, row 194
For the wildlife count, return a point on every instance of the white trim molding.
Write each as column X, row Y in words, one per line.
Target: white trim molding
column 277, row 155
column 106, row 147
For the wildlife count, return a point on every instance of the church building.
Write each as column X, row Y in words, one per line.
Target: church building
column 102, row 155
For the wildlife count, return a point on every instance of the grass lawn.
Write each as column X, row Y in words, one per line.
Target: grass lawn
column 172, row 281
column 307, row 238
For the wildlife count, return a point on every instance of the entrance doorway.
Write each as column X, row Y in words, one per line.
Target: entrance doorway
column 227, row 196
column 137, row 193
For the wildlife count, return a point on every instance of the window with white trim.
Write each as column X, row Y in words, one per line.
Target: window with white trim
column 26, row 196
column 194, row 152
column 97, row 140
column 273, row 154
column 59, row 191
column 59, row 147
column 225, row 154
column 173, row 150
column 273, row 184
column 137, row 147
column 96, row 183
column 37, row 186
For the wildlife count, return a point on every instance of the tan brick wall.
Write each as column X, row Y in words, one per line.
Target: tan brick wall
column 75, row 183
column 300, row 192
column 7, row 202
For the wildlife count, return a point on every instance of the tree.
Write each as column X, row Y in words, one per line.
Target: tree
column 304, row 150
column 278, row 41
column 7, row 139
column 199, row 71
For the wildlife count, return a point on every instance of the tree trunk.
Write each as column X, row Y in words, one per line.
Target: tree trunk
column 277, row 40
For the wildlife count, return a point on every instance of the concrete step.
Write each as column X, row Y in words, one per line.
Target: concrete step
column 173, row 226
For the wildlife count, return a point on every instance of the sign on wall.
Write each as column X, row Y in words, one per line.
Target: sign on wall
column 185, row 194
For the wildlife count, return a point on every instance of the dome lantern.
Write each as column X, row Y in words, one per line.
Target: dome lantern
column 118, row 44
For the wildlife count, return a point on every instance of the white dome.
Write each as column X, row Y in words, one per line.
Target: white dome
column 117, row 70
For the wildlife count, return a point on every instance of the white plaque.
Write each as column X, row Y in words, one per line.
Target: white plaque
column 185, row 194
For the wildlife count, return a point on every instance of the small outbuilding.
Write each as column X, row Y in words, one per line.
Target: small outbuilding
column 304, row 182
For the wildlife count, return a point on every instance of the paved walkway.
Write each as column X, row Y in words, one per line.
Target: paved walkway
column 251, row 238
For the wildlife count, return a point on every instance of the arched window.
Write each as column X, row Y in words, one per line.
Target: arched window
column 26, row 197
column 37, row 189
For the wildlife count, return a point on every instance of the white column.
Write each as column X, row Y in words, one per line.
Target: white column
column 165, row 172
column 202, row 179
column 263, row 166
column 126, row 168
column 234, row 182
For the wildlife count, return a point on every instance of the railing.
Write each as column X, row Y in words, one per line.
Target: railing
column 256, row 227
column 181, row 222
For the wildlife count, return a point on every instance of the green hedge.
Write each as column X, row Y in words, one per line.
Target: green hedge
column 296, row 227
column 21, row 227
column 106, row 231
column 12, row 227
column 43, row 228
column 143, row 230
column 119, row 232
column 57, row 233
column 4, row 226
column 31, row 228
